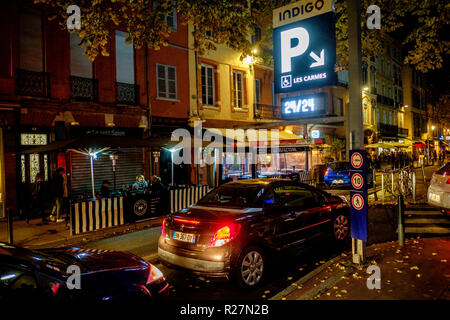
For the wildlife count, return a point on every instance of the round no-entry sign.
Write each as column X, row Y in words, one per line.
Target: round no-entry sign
column 357, row 201
column 357, row 160
column 357, row 181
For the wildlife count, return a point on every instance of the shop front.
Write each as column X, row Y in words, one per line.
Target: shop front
column 291, row 157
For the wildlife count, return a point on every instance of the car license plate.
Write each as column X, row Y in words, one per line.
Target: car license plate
column 338, row 181
column 434, row 197
column 185, row 237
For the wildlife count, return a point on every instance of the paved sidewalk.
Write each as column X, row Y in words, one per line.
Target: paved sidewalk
column 36, row 235
column 418, row 271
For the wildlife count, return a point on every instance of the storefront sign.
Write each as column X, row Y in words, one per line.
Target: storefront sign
column 304, row 45
column 303, row 106
column 315, row 134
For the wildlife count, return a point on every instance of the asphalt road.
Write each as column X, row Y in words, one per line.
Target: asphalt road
column 186, row 287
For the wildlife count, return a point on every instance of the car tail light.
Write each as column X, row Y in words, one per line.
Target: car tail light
column 448, row 181
column 349, row 173
column 326, row 173
column 154, row 274
column 224, row 235
column 54, row 287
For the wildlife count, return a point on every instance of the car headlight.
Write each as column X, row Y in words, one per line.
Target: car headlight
column 155, row 274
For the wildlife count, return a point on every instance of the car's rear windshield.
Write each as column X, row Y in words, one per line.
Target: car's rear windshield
column 233, row 195
column 337, row 166
column 445, row 170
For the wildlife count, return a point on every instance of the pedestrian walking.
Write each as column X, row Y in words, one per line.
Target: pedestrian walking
column 58, row 195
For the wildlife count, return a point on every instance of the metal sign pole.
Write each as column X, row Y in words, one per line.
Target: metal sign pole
column 92, row 176
column 355, row 107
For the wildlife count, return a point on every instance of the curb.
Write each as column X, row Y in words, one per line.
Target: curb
column 304, row 279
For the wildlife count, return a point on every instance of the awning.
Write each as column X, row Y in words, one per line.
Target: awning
column 384, row 145
column 282, row 135
column 98, row 142
column 419, row 144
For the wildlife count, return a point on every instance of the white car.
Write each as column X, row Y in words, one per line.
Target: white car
column 439, row 189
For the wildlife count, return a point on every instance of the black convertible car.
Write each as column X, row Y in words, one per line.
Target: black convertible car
column 236, row 228
column 104, row 275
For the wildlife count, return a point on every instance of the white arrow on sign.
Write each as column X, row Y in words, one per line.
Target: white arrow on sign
column 320, row 61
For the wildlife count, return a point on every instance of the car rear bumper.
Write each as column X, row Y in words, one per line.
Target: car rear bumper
column 336, row 180
column 438, row 198
column 214, row 262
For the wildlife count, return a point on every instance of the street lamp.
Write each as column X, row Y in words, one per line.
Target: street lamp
column 172, row 150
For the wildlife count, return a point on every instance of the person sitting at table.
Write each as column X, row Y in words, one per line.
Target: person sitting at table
column 140, row 185
column 104, row 190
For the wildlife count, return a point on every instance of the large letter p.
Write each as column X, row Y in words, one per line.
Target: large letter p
column 288, row 52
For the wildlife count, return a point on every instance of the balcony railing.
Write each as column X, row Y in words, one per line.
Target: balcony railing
column 32, row 83
column 387, row 130
column 85, row 89
column 385, row 100
column 264, row 111
column 127, row 93
column 403, row 132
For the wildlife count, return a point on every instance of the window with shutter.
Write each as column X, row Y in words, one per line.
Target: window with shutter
column 30, row 40
column 166, row 81
column 238, row 90
column 257, row 91
column 207, row 79
column 124, row 59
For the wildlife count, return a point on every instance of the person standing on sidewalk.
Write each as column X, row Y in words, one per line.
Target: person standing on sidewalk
column 58, row 194
column 39, row 196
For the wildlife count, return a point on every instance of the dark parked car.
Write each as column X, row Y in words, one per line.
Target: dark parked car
column 238, row 227
column 105, row 275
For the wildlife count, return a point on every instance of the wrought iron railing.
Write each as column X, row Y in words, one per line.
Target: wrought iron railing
column 263, row 111
column 388, row 129
column 32, row 83
column 84, row 88
column 127, row 93
column 385, row 100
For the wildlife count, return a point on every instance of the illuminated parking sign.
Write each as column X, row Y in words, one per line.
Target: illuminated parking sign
column 304, row 106
column 304, row 45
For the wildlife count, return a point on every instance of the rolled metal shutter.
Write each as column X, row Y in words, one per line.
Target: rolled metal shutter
column 128, row 165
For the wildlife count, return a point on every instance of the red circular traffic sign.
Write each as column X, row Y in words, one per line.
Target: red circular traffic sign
column 357, row 160
column 357, row 181
column 357, row 201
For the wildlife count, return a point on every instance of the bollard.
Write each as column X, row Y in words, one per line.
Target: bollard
column 423, row 175
column 414, row 186
column 374, row 184
column 401, row 220
column 382, row 187
column 10, row 226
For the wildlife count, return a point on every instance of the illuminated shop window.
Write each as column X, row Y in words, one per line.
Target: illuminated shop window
column 34, row 167
column 45, row 167
column 33, row 139
column 22, row 166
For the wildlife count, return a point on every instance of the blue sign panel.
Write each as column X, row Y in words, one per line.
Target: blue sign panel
column 304, row 106
column 358, row 194
column 305, row 54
